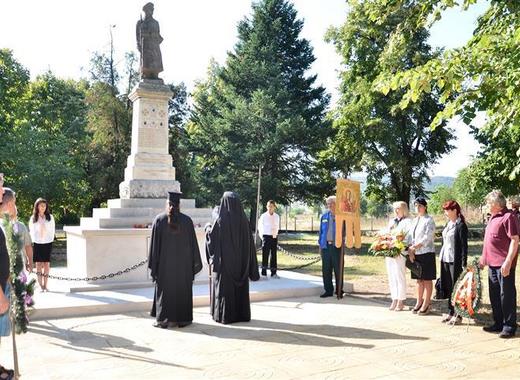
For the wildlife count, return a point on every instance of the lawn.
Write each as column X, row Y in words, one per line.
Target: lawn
column 368, row 273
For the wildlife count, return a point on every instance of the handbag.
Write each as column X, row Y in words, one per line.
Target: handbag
column 440, row 294
column 5, row 320
column 414, row 267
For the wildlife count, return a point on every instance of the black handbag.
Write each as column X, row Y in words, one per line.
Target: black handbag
column 439, row 291
column 414, row 267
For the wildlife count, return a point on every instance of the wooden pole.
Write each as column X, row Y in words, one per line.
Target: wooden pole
column 339, row 286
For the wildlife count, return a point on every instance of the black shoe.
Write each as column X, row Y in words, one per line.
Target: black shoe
column 183, row 324
column 492, row 329
column 325, row 295
column 264, row 272
column 162, row 324
column 506, row 334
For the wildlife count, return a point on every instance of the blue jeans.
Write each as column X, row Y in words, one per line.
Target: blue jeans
column 329, row 263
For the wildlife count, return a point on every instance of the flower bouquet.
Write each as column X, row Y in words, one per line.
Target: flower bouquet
column 467, row 291
column 388, row 245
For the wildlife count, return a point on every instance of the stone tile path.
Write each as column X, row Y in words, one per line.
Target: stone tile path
column 294, row 338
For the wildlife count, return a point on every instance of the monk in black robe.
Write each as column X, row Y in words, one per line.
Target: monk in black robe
column 231, row 253
column 174, row 261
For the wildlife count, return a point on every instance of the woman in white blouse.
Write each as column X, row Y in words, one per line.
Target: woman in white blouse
column 422, row 250
column 400, row 224
column 42, row 229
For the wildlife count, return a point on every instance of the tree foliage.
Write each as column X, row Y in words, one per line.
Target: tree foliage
column 375, row 131
column 482, row 76
column 260, row 109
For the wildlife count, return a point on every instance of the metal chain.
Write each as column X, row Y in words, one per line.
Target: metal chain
column 299, row 256
column 313, row 259
column 94, row 278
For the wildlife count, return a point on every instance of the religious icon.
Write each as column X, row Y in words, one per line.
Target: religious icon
column 348, row 194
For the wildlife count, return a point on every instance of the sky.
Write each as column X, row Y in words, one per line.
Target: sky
column 62, row 35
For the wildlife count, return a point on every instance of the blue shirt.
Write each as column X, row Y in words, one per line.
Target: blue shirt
column 325, row 220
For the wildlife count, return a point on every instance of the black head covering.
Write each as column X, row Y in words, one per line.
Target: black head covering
column 421, row 201
column 230, row 241
column 174, row 197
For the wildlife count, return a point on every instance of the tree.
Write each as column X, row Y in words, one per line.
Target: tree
column 183, row 160
column 261, row 110
column 481, row 76
column 42, row 130
column 109, row 127
column 393, row 144
column 14, row 80
column 440, row 195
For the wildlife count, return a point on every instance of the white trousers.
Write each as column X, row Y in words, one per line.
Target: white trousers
column 396, row 277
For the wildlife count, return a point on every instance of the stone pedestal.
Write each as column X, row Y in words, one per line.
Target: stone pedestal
column 149, row 172
column 114, row 238
column 94, row 251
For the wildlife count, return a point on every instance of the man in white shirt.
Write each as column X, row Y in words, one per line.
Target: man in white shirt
column 268, row 226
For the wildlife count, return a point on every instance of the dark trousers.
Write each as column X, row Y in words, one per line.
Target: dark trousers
column 329, row 263
column 269, row 248
column 447, row 274
column 502, row 294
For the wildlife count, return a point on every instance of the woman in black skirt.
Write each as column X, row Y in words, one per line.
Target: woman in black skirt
column 454, row 254
column 422, row 249
column 42, row 229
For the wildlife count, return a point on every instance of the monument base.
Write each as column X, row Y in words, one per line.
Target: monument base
column 94, row 252
column 146, row 188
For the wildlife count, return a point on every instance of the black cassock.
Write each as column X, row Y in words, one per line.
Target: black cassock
column 174, row 260
column 231, row 253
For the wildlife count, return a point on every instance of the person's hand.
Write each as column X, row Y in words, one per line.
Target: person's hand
column 481, row 264
column 505, row 268
column 411, row 254
column 4, row 303
column 29, row 267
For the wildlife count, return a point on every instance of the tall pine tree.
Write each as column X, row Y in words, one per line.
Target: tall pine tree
column 260, row 109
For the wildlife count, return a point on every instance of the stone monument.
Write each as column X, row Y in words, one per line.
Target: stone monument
column 109, row 241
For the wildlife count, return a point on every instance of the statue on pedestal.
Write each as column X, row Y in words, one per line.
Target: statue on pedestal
column 148, row 41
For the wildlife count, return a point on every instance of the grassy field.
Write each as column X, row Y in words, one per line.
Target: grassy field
column 368, row 273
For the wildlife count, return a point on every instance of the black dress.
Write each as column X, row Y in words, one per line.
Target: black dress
column 231, row 253
column 174, row 260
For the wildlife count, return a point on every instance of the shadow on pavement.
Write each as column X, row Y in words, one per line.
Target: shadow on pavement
column 96, row 343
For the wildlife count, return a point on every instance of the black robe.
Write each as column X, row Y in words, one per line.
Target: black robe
column 231, row 253
column 174, row 260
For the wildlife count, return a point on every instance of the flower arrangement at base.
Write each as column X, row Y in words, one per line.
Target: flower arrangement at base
column 388, row 245
column 467, row 291
column 22, row 288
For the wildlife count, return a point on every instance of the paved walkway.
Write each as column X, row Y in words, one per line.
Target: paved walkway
column 298, row 338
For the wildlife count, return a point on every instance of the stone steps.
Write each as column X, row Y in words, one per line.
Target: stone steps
column 129, row 222
column 61, row 303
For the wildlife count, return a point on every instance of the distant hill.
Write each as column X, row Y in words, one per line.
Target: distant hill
column 437, row 181
column 429, row 186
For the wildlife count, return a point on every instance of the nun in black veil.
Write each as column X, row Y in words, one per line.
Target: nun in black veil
column 231, row 254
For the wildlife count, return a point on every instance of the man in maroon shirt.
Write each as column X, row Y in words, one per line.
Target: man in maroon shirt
column 499, row 253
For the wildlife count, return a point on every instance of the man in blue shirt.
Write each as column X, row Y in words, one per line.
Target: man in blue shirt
column 329, row 253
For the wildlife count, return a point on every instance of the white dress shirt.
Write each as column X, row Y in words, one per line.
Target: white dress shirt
column 269, row 224
column 422, row 232
column 43, row 231
column 447, row 254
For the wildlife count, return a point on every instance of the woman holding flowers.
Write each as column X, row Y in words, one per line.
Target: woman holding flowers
column 454, row 253
column 398, row 227
column 422, row 250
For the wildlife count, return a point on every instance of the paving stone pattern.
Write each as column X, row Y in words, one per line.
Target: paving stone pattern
column 298, row 338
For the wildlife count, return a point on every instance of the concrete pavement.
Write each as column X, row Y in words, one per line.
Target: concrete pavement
column 294, row 338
